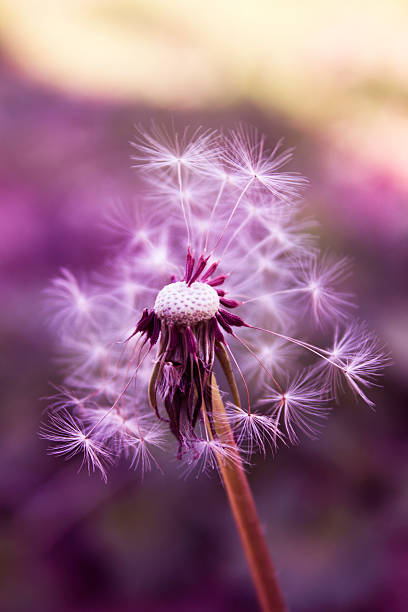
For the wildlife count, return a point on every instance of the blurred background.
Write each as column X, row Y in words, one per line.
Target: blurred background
column 332, row 78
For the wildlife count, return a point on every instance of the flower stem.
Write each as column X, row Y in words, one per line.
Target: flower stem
column 245, row 513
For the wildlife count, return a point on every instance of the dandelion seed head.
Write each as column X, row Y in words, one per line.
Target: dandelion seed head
column 186, row 305
column 213, row 263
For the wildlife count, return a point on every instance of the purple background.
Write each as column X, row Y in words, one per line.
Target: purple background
column 334, row 510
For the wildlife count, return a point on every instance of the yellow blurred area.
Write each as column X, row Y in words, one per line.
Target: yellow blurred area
column 340, row 68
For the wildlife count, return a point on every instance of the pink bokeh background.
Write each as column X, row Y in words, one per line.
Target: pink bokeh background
column 334, row 510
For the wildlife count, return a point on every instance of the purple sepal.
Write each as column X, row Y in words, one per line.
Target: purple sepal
column 190, row 261
column 171, row 377
column 229, row 303
column 202, row 262
column 232, row 319
column 191, row 341
column 144, row 321
column 155, row 330
column 218, row 280
column 223, row 323
column 210, row 271
column 174, row 337
column 215, row 331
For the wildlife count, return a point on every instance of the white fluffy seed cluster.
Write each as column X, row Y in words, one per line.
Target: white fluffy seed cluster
column 179, row 303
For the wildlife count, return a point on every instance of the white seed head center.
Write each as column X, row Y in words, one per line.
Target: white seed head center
column 179, row 303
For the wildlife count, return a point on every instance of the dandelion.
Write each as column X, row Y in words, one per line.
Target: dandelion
column 143, row 337
column 215, row 270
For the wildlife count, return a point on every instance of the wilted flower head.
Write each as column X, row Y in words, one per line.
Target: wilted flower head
column 215, row 266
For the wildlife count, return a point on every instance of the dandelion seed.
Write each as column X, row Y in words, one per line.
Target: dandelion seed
column 253, row 430
column 356, row 357
column 69, row 303
column 206, row 456
column 248, row 159
column 163, row 149
column 299, row 406
column 69, row 438
column 140, row 448
column 317, row 282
